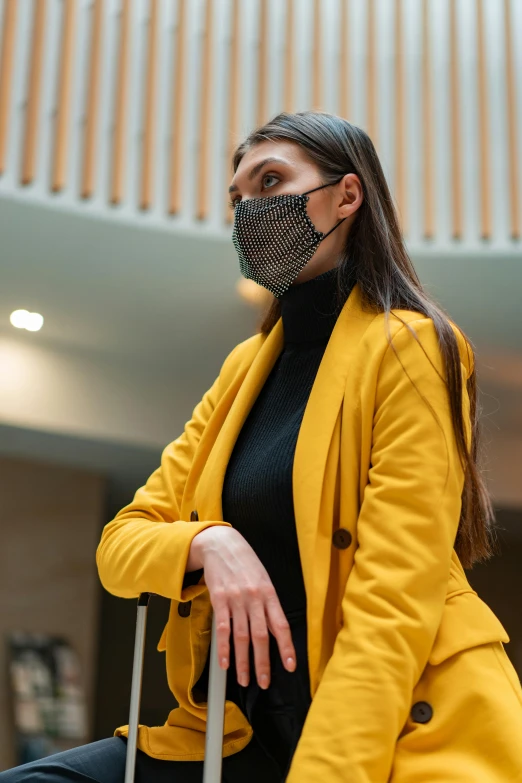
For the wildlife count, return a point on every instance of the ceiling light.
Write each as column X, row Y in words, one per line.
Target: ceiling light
column 23, row 319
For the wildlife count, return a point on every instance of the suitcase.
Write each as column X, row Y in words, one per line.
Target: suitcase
column 216, row 702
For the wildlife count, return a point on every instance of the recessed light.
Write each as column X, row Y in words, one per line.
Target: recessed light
column 23, row 319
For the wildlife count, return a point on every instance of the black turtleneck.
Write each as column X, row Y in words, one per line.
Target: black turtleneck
column 257, row 492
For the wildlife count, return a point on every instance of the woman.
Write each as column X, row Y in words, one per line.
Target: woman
column 323, row 499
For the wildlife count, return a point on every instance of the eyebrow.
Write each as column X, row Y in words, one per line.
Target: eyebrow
column 257, row 168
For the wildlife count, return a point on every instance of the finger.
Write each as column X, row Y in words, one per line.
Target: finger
column 222, row 615
column 280, row 628
column 260, row 643
column 241, row 643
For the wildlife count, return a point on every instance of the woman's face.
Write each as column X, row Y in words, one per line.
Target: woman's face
column 273, row 168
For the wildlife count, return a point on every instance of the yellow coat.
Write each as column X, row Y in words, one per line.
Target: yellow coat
column 409, row 677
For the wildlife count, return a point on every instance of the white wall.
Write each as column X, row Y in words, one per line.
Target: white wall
column 42, row 387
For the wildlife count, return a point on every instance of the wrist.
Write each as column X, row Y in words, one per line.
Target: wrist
column 196, row 559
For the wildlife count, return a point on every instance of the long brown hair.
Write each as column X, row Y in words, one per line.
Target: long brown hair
column 376, row 257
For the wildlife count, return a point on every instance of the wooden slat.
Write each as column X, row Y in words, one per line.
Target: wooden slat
column 371, row 75
column 205, row 125
column 427, row 127
column 63, row 109
column 456, row 147
column 512, row 125
column 93, row 101
column 317, row 60
column 483, row 129
column 234, row 97
column 262, row 65
column 288, row 84
column 344, row 62
column 400, row 123
column 6, row 74
column 178, row 105
column 121, row 113
column 149, row 123
column 34, row 92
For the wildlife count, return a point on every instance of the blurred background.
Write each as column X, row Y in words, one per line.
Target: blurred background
column 120, row 291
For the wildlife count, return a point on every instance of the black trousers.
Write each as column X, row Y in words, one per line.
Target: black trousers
column 277, row 716
column 104, row 762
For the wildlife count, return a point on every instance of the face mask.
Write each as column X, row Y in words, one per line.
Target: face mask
column 275, row 238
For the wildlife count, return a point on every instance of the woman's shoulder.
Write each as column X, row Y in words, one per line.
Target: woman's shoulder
column 403, row 325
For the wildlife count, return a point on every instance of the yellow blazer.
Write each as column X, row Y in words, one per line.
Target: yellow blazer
column 409, row 677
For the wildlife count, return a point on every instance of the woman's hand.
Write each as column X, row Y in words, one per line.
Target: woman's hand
column 240, row 589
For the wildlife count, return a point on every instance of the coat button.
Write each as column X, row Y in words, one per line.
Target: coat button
column 184, row 608
column 421, row 712
column 194, row 516
column 342, row 538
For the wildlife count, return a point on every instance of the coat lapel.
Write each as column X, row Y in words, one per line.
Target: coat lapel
column 311, row 458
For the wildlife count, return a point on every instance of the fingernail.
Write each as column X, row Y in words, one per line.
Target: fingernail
column 243, row 680
column 224, row 663
column 264, row 681
column 290, row 663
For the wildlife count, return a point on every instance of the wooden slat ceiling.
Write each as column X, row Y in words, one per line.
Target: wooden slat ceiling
column 179, row 145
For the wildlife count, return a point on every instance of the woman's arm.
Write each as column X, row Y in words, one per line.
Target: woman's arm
column 395, row 593
column 146, row 546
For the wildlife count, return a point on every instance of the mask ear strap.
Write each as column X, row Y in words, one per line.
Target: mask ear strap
column 322, row 186
column 333, row 229
column 314, row 189
column 319, row 188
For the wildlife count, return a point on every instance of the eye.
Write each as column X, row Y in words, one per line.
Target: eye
column 269, row 176
column 233, row 203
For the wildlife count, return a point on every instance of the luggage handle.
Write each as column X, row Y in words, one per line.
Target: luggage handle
column 216, row 701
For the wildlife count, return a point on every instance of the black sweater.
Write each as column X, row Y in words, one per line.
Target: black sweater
column 257, row 492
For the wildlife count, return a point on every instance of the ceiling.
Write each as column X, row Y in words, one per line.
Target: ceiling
column 167, row 300
column 108, row 287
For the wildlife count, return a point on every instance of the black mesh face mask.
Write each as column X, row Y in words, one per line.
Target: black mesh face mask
column 275, row 238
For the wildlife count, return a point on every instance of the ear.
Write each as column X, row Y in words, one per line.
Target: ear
column 351, row 195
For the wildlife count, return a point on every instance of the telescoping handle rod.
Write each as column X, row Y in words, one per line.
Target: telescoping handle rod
column 217, row 681
column 137, row 676
column 216, row 701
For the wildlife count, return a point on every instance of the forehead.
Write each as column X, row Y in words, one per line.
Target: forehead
column 288, row 152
